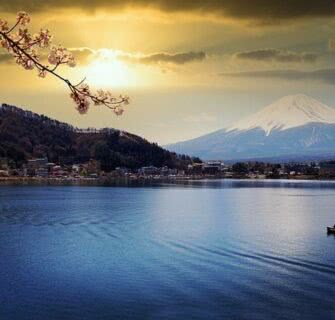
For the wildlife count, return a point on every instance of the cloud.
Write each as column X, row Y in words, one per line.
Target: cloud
column 323, row 75
column 277, row 55
column 161, row 58
column 264, row 10
column 84, row 55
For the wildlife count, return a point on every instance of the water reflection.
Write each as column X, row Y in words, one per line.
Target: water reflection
column 204, row 250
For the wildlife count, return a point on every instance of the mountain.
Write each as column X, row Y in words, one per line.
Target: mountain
column 25, row 135
column 295, row 127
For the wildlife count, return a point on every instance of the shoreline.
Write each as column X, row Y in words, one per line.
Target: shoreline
column 115, row 181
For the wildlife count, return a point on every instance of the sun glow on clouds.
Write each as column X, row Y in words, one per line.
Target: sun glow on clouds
column 108, row 68
column 107, row 71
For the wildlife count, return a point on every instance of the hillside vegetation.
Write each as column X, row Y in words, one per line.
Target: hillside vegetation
column 25, row 135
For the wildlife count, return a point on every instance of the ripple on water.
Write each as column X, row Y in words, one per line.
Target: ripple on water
column 167, row 253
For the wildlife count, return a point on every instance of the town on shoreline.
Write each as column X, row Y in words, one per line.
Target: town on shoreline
column 40, row 170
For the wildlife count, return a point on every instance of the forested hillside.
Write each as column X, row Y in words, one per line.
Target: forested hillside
column 25, row 135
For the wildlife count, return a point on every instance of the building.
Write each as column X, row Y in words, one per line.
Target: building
column 181, row 172
column 75, row 169
column 213, row 167
column 57, row 171
column 121, row 171
column 195, row 168
column 4, row 173
column 148, row 171
column 165, row 171
column 37, row 165
column 93, row 167
column 41, row 172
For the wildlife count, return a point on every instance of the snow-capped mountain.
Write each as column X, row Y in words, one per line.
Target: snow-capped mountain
column 287, row 112
column 295, row 126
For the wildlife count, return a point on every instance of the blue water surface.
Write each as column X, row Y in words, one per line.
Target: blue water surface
column 201, row 250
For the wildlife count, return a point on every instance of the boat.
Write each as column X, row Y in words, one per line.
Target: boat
column 331, row 230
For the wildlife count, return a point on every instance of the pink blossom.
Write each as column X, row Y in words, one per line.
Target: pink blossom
column 81, row 101
column 28, row 64
column 42, row 73
column 60, row 55
column 19, row 42
column 4, row 43
column 23, row 36
column 118, row 111
column 43, row 38
column 3, row 25
column 23, row 18
column 71, row 61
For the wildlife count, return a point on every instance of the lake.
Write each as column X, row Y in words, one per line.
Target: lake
column 225, row 249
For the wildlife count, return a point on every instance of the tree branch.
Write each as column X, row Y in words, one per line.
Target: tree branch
column 27, row 56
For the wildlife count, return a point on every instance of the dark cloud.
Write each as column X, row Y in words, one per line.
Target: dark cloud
column 277, row 55
column 82, row 55
column 323, row 75
column 161, row 58
column 265, row 10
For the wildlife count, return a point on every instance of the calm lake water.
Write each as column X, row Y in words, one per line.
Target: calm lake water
column 206, row 250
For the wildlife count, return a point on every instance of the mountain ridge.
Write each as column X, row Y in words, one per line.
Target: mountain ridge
column 25, row 135
column 310, row 133
column 287, row 112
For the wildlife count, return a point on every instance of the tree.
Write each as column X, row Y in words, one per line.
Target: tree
column 106, row 157
column 26, row 50
column 240, row 167
column 196, row 160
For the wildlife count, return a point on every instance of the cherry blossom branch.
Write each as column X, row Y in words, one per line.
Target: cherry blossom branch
column 24, row 48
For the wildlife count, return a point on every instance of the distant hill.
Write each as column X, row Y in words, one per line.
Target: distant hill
column 25, row 135
column 293, row 128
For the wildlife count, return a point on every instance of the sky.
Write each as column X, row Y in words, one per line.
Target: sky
column 189, row 67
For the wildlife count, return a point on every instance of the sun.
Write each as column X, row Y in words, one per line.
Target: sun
column 108, row 72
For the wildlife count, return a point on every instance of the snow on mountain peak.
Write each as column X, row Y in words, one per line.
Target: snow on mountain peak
column 287, row 112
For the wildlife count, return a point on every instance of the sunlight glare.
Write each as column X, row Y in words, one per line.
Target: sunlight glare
column 107, row 71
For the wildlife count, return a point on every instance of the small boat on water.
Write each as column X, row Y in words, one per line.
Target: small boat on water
column 331, row 229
